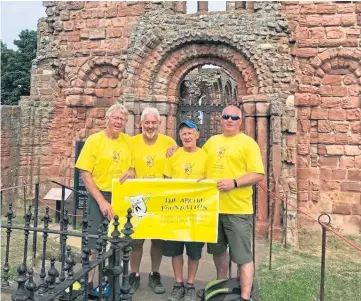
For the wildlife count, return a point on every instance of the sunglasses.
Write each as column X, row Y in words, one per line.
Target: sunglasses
column 233, row 117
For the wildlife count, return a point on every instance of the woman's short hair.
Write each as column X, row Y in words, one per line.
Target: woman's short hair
column 150, row 110
column 117, row 107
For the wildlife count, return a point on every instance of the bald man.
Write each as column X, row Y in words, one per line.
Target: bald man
column 234, row 161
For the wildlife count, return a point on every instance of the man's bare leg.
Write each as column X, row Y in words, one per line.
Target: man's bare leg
column 246, row 279
column 177, row 263
column 221, row 262
column 192, row 270
column 155, row 256
column 135, row 258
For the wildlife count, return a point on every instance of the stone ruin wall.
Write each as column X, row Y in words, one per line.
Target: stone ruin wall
column 327, row 58
column 291, row 88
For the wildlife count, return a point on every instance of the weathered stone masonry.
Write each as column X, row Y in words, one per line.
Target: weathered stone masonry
column 296, row 65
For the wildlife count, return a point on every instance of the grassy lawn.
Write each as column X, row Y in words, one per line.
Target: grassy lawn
column 295, row 274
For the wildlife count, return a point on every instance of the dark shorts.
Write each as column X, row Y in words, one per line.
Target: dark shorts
column 175, row 248
column 138, row 243
column 96, row 217
column 235, row 231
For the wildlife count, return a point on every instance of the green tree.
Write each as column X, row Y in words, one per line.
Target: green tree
column 16, row 66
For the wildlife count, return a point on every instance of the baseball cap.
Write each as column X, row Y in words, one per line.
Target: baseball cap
column 189, row 124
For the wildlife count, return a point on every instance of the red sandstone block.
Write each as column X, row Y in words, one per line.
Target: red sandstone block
column 339, row 91
column 326, row 90
column 358, row 162
column 91, row 4
column 347, row 161
column 328, row 161
column 92, row 23
column 98, row 33
column 341, row 208
column 334, row 150
column 303, row 173
column 353, row 31
column 340, row 126
column 303, row 185
column 99, row 92
column 118, row 22
column 303, row 149
column 339, row 174
column 331, row 20
column 111, row 12
column 336, row 114
column 324, row 126
column 321, row 149
column 317, row 33
column 304, row 52
column 74, row 36
column 313, row 20
column 341, row 138
column 114, row 32
column 326, row 8
column 331, row 79
column 354, row 174
column 325, row 173
column 352, row 150
column 354, row 139
column 351, row 186
column 354, row 91
column 348, row 19
column 356, row 209
column 318, row 113
column 353, row 114
column 345, row 8
column 356, row 127
column 326, row 138
column 306, row 99
column 331, row 102
column 308, row 43
column 335, row 33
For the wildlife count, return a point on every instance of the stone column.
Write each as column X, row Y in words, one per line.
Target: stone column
column 181, row 7
column 249, row 112
column 262, row 110
column 202, row 6
column 240, row 4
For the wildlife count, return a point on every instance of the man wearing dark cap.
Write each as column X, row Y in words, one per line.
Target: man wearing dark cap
column 188, row 162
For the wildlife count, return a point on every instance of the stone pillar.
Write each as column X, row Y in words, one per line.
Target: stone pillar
column 240, row 5
column 249, row 111
column 202, row 6
column 262, row 110
column 181, row 7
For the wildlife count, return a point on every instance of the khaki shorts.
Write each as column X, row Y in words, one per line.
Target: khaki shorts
column 138, row 243
column 235, row 231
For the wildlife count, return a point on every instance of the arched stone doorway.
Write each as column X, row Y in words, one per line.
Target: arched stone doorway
column 157, row 75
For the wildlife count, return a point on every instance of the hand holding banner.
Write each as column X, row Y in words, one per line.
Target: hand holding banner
column 169, row 209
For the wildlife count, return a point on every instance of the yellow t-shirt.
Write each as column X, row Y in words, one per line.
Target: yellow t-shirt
column 105, row 158
column 149, row 160
column 230, row 158
column 184, row 165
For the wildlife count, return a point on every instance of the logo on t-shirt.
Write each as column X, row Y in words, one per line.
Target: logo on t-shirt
column 188, row 168
column 116, row 156
column 221, row 151
column 149, row 160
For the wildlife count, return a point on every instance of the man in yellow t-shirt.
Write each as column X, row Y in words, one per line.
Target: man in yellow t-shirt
column 149, row 150
column 234, row 160
column 187, row 162
column 106, row 155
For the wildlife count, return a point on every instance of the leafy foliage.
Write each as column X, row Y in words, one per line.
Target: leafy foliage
column 16, row 66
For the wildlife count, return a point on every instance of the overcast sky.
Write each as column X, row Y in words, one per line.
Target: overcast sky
column 19, row 15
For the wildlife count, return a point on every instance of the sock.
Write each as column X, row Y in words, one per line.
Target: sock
column 190, row 284
column 179, row 283
column 242, row 299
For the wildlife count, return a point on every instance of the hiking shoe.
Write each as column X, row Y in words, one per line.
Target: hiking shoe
column 200, row 293
column 134, row 282
column 177, row 292
column 155, row 284
column 190, row 293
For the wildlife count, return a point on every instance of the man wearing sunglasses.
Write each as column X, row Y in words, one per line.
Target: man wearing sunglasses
column 234, row 161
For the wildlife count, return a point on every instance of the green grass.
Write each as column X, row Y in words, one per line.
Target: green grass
column 295, row 274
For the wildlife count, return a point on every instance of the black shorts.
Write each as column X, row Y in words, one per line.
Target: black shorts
column 96, row 217
column 176, row 248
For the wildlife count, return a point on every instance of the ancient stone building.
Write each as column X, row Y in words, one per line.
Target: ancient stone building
column 296, row 68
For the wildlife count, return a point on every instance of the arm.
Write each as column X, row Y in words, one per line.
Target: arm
column 248, row 179
column 103, row 204
column 130, row 174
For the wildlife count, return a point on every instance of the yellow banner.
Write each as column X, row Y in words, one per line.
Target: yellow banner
column 169, row 209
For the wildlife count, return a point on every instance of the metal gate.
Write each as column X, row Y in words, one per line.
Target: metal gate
column 204, row 113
